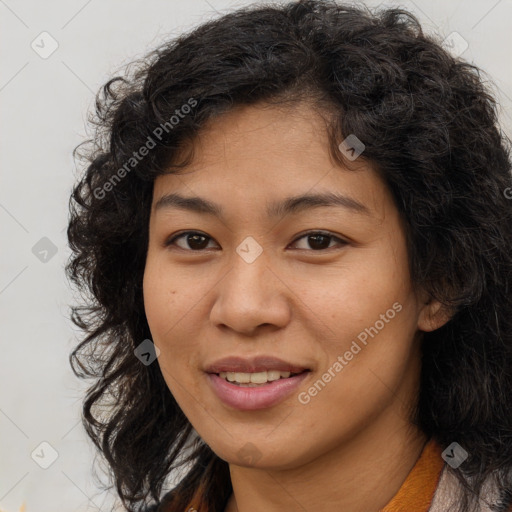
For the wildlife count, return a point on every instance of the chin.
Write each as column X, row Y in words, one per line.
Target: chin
column 258, row 455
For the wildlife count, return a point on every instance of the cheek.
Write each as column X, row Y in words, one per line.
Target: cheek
column 163, row 309
column 167, row 299
column 170, row 303
column 158, row 302
column 366, row 313
column 344, row 302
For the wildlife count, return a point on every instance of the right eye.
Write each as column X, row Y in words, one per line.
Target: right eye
column 195, row 240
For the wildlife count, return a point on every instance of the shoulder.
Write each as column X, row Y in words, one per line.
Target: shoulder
column 161, row 506
column 449, row 487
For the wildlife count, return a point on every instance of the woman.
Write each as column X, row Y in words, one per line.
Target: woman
column 295, row 224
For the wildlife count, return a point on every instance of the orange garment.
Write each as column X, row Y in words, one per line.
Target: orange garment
column 418, row 489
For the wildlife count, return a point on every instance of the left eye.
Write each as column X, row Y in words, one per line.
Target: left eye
column 317, row 240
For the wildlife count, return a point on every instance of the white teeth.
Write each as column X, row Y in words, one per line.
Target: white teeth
column 256, row 378
column 242, row 378
column 273, row 375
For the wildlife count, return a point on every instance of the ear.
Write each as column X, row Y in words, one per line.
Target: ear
column 433, row 315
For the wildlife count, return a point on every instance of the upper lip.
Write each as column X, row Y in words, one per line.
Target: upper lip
column 253, row 365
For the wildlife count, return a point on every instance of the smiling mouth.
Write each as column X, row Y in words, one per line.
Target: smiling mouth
column 256, row 379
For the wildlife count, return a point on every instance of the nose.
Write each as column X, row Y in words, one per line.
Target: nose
column 251, row 297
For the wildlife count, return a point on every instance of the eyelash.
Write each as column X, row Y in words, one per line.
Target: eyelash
column 169, row 242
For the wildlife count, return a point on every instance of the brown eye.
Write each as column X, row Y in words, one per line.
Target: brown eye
column 193, row 240
column 319, row 241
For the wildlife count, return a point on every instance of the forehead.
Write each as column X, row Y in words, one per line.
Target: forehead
column 266, row 158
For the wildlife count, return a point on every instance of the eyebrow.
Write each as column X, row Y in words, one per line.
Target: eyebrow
column 295, row 204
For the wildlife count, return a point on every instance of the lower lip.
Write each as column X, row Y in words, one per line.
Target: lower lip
column 260, row 397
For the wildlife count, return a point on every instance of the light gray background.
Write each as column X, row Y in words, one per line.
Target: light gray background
column 44, row 108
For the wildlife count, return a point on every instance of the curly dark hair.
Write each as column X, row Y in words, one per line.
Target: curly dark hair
column 429, row 123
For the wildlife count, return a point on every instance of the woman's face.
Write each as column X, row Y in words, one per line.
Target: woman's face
column 257, row 282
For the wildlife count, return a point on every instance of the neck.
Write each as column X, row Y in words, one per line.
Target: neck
column 361, row 475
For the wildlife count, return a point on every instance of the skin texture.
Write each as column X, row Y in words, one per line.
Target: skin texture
column 304, row 305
